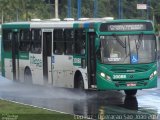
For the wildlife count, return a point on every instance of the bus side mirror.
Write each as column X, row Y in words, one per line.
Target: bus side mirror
column 97, row 43
column 98, row 54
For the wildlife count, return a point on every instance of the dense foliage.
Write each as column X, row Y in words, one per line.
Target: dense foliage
column 20, row 10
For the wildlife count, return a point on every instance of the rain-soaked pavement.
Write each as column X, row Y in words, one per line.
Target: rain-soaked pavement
column 110, row 105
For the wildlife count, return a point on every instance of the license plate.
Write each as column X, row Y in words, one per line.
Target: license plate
column 131, row 84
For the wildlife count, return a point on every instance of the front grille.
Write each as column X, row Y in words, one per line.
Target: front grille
column 125, row 80
column 129, row 69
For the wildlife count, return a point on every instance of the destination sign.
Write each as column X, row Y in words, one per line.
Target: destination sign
column 126, row 27
column 111, row 27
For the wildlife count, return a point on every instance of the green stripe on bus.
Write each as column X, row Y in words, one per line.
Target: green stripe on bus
column 15, row 26
column 7, row 55
column 75, row 25
column 24, row 55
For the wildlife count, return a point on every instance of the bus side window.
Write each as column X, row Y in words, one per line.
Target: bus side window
column 69, row 37
column 36, row 41
column 7, row 37
column 58, row 44
column 25, row 43
column 80, row 41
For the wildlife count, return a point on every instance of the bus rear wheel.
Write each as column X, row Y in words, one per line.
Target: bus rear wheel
column 130, row 92
column 27, row 76
column 80, row 83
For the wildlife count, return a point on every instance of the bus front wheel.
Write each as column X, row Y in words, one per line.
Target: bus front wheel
column 27, row 76
column 130, row 92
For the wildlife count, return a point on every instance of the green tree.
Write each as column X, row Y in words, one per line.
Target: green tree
column 22, row 10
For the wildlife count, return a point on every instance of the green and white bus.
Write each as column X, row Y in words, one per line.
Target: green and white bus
column 92, row 54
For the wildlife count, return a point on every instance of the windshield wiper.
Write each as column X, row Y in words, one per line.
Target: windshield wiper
column 139, row 41
column 137, row 45
column 119, row 41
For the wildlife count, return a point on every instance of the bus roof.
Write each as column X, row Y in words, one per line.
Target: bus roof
column 64, row 24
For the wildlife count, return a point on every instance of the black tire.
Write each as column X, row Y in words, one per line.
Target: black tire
column 80, row 83
column 27, row 76
column 130, row 92
column 131, row 103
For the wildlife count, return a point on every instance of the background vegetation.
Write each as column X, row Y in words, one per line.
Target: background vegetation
column 20, row 10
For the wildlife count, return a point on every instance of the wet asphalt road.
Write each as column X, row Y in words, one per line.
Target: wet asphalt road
column 110, row 105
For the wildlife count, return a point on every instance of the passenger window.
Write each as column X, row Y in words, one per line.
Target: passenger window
column 58, row 42
column 80, row 41
column 24, row 44
column 36, row 41
column 69, row 38
column 7, row 37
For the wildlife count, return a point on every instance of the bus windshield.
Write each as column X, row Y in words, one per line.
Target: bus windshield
column 128, row 49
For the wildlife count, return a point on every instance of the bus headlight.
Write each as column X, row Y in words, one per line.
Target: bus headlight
column 102, row 74
column 107, row 77
column 153, row 74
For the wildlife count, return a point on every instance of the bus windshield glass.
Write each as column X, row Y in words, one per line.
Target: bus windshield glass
column 128, row 49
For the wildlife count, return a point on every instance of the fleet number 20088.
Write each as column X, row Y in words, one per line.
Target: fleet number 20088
column 119, row 76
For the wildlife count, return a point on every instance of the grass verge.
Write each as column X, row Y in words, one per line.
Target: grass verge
column 14, row 111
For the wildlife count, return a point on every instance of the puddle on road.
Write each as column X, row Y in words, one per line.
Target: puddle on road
column 81, row 103
column 151, row 102
column 11, row 88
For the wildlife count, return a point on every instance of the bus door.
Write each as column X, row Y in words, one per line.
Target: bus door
column 15, row 61
column 47, row 46
column 91, row 59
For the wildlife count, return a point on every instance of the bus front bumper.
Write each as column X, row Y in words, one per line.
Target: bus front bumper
column 103, row 84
